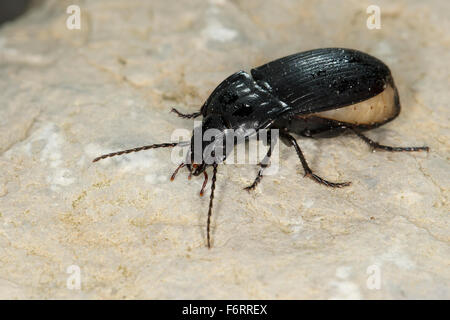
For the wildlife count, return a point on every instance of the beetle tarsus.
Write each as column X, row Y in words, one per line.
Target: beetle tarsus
column 205, row 181
column 257, row 179
column 185, row 115
column 264, row 164
column 174, row 174
column 326, row 182
column 376, row 146
column 256, row 182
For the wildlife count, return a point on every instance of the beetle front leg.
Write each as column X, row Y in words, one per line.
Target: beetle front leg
column 186, row 115
column 264, row 164
column 308, row 171
column 376, row 146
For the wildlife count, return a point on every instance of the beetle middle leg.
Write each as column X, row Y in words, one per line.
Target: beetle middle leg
column 186, row 115
column 308, row 171
column 376, row 146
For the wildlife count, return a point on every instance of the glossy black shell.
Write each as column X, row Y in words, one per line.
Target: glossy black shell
column 279, row 93
column 324, row 79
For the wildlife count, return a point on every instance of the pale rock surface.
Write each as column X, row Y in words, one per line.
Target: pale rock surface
column 69, row 95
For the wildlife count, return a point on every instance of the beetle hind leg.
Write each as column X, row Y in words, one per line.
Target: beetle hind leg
column 308, row 171
column 376, row 146
column 186, row 115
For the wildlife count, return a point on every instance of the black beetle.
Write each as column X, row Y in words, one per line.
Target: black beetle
column 317, row 93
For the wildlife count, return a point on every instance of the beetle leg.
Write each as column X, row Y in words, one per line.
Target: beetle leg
column 205, row 181
column 376, row 146
column 264, row 164
column 186, row 115
column 308, row 171
column 176, row 171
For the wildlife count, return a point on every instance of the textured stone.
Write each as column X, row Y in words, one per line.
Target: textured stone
column 70, row 95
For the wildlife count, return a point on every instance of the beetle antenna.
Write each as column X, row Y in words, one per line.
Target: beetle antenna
column 211, row 198
column 152, row 146
column 186, row 115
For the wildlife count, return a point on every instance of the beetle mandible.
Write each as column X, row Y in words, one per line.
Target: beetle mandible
column 317, row 93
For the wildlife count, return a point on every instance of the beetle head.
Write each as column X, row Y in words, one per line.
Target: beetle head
column 208, row 144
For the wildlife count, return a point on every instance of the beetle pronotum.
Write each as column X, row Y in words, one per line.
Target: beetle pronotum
column 317, row 93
